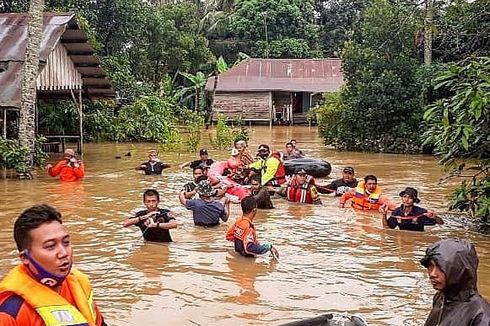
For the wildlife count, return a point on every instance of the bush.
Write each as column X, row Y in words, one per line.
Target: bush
column 14, row 156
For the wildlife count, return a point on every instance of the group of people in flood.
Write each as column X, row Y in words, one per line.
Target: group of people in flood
column 44, row 289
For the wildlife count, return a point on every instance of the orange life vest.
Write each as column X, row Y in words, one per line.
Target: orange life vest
column 363, row 201
column 48, row 304
column 280, row 176
column 244, row 231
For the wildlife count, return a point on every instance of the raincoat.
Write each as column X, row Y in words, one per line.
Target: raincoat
column 459, row 304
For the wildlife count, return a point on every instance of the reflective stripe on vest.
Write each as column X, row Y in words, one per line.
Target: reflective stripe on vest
column 53, row 308
column 362, row 201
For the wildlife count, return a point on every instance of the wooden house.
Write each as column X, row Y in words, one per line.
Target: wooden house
column 68, row 67
column 273, row 90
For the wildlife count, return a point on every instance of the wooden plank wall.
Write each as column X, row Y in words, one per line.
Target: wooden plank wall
column 59, row 72
column 247, row 105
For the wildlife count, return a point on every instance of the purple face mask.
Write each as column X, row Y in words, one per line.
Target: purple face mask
column 42, row 275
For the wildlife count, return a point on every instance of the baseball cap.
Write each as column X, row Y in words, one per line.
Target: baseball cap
column 203, row 152
column 348, row 169
column 301, row 171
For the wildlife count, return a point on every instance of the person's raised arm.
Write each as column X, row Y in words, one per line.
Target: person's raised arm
column 79, row 170
column 346, row 196
column 54, row 171
column 186, row 164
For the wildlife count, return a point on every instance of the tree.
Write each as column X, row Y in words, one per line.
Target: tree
column 379, row 108
column 27, row 130
column 276, row 28
column 459, row 130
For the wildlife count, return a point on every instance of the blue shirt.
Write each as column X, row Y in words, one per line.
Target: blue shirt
column 408, row 224
column 206, row 213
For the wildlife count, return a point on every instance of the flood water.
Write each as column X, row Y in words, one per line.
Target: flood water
column 332, row 260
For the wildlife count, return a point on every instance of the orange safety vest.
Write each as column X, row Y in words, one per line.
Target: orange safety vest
column 54, row 309
column 363, row 201
column 244, row 231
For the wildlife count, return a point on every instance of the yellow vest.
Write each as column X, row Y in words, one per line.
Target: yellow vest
column 52, row 307
column 363, row 201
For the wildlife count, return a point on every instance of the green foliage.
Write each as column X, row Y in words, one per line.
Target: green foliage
column 58, row 118
column 194, row 123
column 151, row 118
column 459, row 129
column 276, row 28
column 14, row 156
column 380, row 107
column 226, row 135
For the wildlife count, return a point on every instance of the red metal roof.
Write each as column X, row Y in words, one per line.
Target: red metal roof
column 57, row 27
column 290, row 75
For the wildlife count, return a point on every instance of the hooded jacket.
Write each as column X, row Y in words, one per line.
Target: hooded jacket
column 459, row 304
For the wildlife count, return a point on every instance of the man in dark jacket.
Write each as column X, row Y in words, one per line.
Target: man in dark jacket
column 452, row 267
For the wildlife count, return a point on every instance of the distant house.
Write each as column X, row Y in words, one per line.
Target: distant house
column 68, row 67
column 274, row 90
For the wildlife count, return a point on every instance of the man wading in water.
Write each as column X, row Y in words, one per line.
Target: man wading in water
column 154, row 222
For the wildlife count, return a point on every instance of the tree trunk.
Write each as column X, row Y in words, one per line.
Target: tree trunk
column 429, row 17
column 27, row 133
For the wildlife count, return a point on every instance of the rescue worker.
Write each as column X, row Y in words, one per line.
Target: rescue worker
column 367, row 196
column 203, row 160
column 301, row 189
column 69, row 169
column 270, row 166
column 154, row 222
column 153, row 166
column 44, row 289
column 409, row 216
column 260, row 193
column 243, row 234
column 340, row 186
column 452, row 269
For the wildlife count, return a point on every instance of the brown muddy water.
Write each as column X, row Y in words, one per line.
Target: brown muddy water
column 332, row 260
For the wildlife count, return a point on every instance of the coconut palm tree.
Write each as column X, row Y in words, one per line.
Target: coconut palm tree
column 27, row 130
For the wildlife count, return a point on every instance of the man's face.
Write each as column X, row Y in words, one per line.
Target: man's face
column 293, row 142
column 370, row 185
column 151, row 203
column 197, row 173
column 51, row 247
column 301, row 178
column 347, row 176
column 67, row 156
column 289, row 148
column 153, row 157
column 254, row 185
column 240, row 147
column 204, row 157
column 436, row 276
column 407, row 200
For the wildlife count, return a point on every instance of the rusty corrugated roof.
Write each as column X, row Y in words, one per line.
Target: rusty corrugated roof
column 289, row 75
column 57, row 27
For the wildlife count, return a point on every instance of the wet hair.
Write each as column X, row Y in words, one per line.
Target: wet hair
column 256, row 178
column 293, row 140
column 31, row 219
column 248, row 204
column 199, row 167
column 241, row 141
column 287, row 144
column 370, row 177
column 151, row 193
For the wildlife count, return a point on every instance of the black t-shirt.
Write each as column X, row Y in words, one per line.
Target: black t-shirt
column 156, row 168
column 155, row 234
column 196, row 163
column 341, row 187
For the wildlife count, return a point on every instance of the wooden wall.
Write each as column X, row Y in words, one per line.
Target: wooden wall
column 59, row 72
column 247, row 105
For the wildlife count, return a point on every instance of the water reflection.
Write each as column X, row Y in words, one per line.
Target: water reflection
column 332, row 260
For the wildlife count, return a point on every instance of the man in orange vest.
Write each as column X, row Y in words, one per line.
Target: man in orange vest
column 44, row 289
column 367, row 196
column 69, row 169
column 243, row 234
